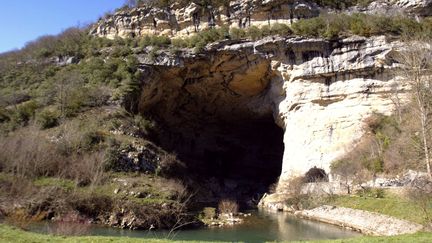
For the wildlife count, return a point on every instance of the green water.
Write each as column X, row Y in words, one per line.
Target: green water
column 260, row 227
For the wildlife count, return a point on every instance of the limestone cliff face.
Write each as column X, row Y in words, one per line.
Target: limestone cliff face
column 320, row 92
column 181, row 20
column 187, row 19
column 328, row 96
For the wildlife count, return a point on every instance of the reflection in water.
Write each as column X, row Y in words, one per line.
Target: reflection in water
column 260, row 227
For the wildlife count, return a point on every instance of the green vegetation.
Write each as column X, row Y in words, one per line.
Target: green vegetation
column 390, row 204
column 337, row 4
column 65, row 184
column 336, row 25
column 392, row 146
column 11, row 234
column 74, row 71
column 63, row 142
column 167, row 3
column 421, row 237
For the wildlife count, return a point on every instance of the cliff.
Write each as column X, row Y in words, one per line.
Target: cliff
column 319, row 91
column 185, row 19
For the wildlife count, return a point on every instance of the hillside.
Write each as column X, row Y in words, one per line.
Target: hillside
column 163, row 107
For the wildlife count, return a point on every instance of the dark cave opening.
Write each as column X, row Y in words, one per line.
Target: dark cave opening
column 216, row 113
column 236, row 158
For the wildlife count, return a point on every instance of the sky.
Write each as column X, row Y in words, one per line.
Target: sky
column 22, row 21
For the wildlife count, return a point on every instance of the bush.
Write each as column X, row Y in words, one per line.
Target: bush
column 371, row 192
column 254, row 33
column 208, row 213
column 89, row 139
column 4, row 115
column 112, row 156
column 48, row 118
column 24, row 112
column 275, row 29
column 335, row 25
column 28, row 153
column 236, row 33
column 169, row 165
column 314, row 27
column 228, row 206
column 420, row 193
column 154, row 40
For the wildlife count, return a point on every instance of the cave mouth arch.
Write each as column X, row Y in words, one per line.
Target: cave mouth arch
column 217, row 114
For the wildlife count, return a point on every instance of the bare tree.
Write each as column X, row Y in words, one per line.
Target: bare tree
column 416, row 60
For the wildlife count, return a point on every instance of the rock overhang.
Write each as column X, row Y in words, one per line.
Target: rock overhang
column 319, row 91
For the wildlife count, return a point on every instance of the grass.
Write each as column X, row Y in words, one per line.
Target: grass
column 65, row 184
column 11, row 234
column 418, row 237
column 392, row 205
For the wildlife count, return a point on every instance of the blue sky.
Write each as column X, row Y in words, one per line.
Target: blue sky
column 24, row 20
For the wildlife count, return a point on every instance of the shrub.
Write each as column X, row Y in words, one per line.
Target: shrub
column 315, row 175
column 112, row 156
column 154, row 40
column 24, row 112
column 228, row 206
column 309, row 27
column 179, row 42
column 169, row 165
column 208, row 213
column 91, row 138
column 420, row 193
column 47, row 118
column 379, row 192
column 28, row 153
column 254, row 33
column 275, row 29
column 236, row 33
column 4, row 115
column 371, row 192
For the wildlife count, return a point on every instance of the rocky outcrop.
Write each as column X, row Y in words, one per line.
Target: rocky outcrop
column 329, row 95
column 180, row 19
column 415, row 8
column 320, row 92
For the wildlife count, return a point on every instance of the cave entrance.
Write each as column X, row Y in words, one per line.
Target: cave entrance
column 228, row 158
column 216, row 113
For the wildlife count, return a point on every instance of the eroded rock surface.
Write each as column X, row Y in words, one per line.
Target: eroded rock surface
column 185, row 19
column 320, row 92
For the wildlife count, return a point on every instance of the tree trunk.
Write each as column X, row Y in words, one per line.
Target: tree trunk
column 425, row 141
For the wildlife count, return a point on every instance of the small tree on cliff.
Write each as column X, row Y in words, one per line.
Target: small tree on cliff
column 416, row 68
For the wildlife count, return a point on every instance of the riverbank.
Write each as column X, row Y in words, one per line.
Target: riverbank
column 365, row 222
column 392, row 213
column 11, row 234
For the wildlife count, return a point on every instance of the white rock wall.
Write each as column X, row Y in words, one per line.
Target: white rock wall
column 322, row 120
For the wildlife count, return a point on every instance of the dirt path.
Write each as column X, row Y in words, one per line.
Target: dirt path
column 366, row 222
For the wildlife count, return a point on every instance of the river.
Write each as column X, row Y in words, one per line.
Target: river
column 260, row 227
